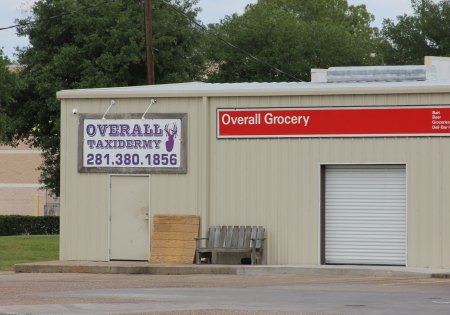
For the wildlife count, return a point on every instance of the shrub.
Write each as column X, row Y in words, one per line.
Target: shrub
column 28, row 225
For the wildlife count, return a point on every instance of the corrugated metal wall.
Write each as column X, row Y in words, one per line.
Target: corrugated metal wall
column 276, row 182
column 270, row 182
column 84, row 197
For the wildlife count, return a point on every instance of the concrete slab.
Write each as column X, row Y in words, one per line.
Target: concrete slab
column 137, row 267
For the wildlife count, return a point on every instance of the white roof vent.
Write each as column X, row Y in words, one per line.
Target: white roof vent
column 379, row 74
column 441, row 66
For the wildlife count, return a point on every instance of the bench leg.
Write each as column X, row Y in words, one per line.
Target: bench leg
column 208, row 258
column 197, row 258
column 204, row 255
column 256, row 257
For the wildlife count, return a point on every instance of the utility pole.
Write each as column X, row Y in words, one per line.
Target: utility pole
column 149, row 41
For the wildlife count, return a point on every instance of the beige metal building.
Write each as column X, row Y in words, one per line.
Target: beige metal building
column 20, row 191
column 372, row 192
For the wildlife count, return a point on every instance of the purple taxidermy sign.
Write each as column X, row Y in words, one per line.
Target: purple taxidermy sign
column 132, row 143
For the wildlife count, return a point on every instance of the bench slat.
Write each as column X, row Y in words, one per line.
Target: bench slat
column 247, row 236
column 223, row 234
column 217, row 237
column 224, row 250
column 253, row 235
column 241, row 237
column 229, row 237
column 235, row 237
column 259, row 237
column 211, row 233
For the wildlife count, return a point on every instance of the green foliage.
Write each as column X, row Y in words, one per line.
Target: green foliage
column 7, row 80
column 8, row 88
column 425, row 33
column 28, row 225
column 90, row 44
column 27, row 248
column 292, row 35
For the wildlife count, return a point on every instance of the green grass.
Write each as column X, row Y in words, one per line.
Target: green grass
column 27, row 248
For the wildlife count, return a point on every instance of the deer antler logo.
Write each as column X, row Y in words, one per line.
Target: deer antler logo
column 171, row 134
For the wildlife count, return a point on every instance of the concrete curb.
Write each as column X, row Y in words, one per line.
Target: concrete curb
column 336, row 271
column 124, row 269
column 155, row 269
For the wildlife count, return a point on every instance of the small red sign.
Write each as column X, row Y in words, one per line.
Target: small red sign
column 333, row 122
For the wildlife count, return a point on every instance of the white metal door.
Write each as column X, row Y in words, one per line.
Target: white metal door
column 365, row 214
column 129, row 230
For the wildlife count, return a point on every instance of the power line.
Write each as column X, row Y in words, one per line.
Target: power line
column 8, row 27
column 192, row 20
column 54, row 16
column 243, row 51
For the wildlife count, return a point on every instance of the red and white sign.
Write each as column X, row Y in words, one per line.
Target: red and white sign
column 333, row 122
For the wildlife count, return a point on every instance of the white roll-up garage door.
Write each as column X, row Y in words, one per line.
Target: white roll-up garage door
column 365, row 214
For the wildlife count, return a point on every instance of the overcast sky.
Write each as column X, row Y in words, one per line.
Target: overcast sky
column 212, row 12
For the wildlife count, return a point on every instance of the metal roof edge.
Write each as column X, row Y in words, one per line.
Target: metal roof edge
column 263, row 90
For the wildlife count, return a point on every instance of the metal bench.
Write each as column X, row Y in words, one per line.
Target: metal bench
column 231, row 239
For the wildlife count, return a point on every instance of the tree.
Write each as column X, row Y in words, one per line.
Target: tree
column 425, row 33
column 292, row 35
column 88, row 44
column 8, row 87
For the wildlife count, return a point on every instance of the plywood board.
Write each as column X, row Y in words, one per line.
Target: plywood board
column 173, row 238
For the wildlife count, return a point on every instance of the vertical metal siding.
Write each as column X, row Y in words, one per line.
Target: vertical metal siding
column 84, row 197
column 275, row 182
column 365, row 214
column 270, row 182
column 180, row 194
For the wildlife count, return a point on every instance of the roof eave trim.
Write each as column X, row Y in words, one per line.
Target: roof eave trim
column 105, row 93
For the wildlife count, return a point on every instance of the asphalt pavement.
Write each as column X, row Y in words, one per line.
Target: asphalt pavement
column 80, row 293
